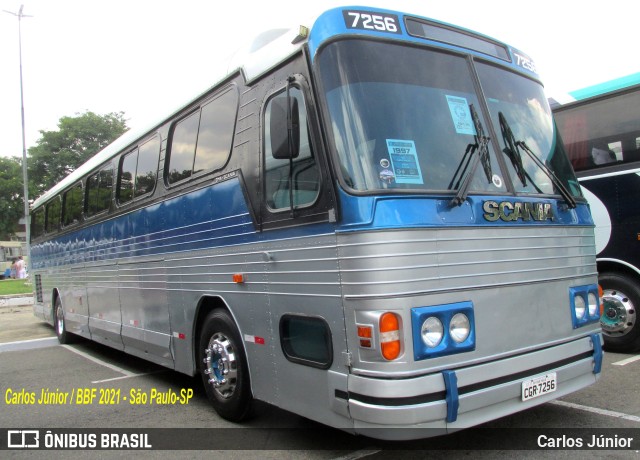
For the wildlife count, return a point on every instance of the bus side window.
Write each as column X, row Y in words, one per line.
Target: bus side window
column 305, row 177
column 53, row 215
column 37, row 223
column 72, row 205
column 99, row 189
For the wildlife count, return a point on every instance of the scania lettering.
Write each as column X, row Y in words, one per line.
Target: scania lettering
column 336, row 227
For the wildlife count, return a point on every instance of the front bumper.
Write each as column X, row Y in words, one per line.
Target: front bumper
column 451, row 400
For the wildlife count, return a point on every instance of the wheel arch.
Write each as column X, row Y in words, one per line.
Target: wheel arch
column 206, row 305
column 618, row 266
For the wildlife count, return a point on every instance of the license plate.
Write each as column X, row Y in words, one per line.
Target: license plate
column 538, row 386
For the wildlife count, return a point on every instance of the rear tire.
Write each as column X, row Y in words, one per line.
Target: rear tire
column 223, row 367
column 63, row 335
column 619, row 321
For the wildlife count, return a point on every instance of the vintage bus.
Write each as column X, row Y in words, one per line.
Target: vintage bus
column 601, row 133
column 369, row 223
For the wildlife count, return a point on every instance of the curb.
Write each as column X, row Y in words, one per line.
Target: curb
column 16, row 300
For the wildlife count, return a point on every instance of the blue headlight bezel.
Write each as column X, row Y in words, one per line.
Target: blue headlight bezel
column 583, row 292
column 447, row 345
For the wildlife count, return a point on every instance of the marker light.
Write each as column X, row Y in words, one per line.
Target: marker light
column 593, row 304
column 365, row 334
column 432, row 332
column 390, row 336
column 459, row 327
column 601, row 297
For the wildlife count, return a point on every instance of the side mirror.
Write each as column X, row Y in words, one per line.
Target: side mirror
column 279, row 129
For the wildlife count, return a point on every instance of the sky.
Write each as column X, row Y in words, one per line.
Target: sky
column 147, row 57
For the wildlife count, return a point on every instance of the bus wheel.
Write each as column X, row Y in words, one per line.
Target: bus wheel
column 620, row 326
column 61, row 331
column 223, row 367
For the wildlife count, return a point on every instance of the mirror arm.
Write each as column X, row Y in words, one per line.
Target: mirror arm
column 290, row 80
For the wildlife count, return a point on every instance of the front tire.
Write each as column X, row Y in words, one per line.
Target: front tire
column 619, row 321
column 223, row 367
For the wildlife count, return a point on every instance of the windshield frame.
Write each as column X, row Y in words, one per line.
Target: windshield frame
column 471, row 60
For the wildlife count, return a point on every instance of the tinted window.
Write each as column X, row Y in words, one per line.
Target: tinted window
column 72, row 205
column 306, row 340
column 183, row 147
column 216, row 132
column 99, row 191
column 202, row 141
column 127, row 173
column 53, row 215
column 147, row 169
column 37, row 223
column 602, row 132
column 305, row 179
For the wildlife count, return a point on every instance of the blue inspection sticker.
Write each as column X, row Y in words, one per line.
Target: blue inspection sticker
column 461, row 115
column 404, row 161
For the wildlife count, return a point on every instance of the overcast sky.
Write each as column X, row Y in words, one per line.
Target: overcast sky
column 146, row 57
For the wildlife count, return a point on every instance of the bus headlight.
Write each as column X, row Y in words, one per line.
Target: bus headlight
column 584, row 305
column 440, row 330
column 460, row 327
column 432, row 332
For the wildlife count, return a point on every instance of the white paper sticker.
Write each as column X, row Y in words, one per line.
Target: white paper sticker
column 461, row 115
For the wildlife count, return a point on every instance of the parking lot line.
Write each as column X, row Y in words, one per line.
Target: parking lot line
column 624, row 362
column 100, row 362
column 29, row 344
column 595, row 410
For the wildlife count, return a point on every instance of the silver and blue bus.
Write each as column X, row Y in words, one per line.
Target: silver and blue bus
column 601, row 132
column 370, row 222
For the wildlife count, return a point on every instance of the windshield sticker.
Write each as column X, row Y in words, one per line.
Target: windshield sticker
column 386, row 175
column 461, row 115
column 404, row 161
column 497, row 181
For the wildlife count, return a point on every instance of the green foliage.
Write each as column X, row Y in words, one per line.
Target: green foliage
column 11, row 196
column 77, row 139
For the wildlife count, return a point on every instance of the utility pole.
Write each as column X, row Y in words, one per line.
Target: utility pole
column 20, row 15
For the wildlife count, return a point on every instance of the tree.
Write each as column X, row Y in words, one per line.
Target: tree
column 11, row 196
column 57, row 153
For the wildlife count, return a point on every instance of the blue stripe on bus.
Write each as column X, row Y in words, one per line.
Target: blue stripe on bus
column 218, row 216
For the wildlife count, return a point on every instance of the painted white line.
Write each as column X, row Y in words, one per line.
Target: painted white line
column 358, row 454
column 127, row 377
column 624, row 362
column 595, row 410
column 102, row 363
column 29, row 344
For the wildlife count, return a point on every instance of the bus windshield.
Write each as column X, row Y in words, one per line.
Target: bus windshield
column 405, row 118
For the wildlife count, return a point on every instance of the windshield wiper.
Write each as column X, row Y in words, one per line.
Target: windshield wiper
column 481, row 144
column 512, row 150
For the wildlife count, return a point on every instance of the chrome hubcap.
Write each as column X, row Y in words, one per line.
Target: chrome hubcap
column 59, row 320
column 221, row 365
column 619, row 315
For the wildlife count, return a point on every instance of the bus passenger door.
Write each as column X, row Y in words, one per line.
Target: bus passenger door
column 298, row 229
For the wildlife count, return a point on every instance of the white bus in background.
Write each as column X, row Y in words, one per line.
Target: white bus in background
column 601, row 133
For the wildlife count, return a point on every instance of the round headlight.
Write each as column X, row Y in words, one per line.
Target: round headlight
column 460, row 327
column 593, row 304
column 432, row 331
column 579, row 306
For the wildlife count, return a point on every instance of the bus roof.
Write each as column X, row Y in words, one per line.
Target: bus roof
column 252, row 59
